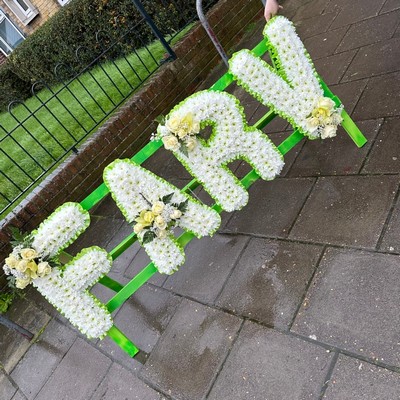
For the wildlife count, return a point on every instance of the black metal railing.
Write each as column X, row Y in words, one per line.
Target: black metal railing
column 36, row 134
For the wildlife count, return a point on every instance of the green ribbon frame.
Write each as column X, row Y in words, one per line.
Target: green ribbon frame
column 123, row 292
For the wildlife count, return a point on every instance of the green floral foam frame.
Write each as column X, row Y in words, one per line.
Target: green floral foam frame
column 123, row 292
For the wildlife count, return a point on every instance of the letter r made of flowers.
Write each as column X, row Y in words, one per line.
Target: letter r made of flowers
column 66, row 287
column 155, row 207
column 231, row 139
column 294, row 92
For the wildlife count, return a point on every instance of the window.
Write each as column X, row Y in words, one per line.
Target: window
column 23, row 9
column 10, row 36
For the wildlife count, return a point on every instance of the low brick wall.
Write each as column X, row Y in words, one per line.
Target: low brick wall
column 130, row 128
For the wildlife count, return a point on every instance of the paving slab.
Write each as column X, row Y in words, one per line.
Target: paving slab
column 370, row 31
column 19, row 396
column 332, row 68
column 390, row 5
column 121, row 384
column 120, row 263
column 315, row 25
column 357, row 10
column 348, row 210
column 310, row 9
column 107, row 208
column 273, row 207
column 381, row 98
column 349, row 93
column 78, row 375
column 289, row 158
column 278, row 124
column 375, row 59
column 13, row 345
column 164, row 164
column 359, row 380
column 209, row 262
column 7, row 389
column 265, row 364
column 141, row 260
column 143, row 319
column 385, row 154
column 397, row 33
column 189, row 355
column 353, row 304
column 99, row 233
column 336, row 156
column 324, row 44
column 391, row 237
column 269, row 282
column 47, row 353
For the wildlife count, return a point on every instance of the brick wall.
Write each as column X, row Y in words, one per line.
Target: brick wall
column 3, row 58
column 130, row 128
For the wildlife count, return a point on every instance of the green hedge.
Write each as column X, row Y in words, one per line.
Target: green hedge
column 75, row 26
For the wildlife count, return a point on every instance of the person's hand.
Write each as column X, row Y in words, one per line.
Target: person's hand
column 271, row 8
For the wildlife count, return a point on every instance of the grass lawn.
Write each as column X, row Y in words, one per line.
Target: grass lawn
column 41, row 131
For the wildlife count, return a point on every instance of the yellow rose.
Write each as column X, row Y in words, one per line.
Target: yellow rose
column 158, row 207
column 312, row 123
column 328, row 132
column 11, row 261
column 145, row 218
column 183, row 126
column 191, row 143
column 176, row 214
column 326, row 102
column 173, row 123
column 182, row 133
column 22, row 283
column 138, row 228
column 160, row 222
column 31, row 269
column 22, row 265
column 32, row 266
column 189, row 124
column 324, row 107
column 336, row 118
column 29, row 254
column 161, row 233
column 43, row 268
column 148, row 217
column 321, row 112
column 171, row 143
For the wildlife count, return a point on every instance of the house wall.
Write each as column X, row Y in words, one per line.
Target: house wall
column 46, row 9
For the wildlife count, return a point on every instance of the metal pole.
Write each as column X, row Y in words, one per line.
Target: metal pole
column 154, row 28
column 22, row 331
column 210, row 32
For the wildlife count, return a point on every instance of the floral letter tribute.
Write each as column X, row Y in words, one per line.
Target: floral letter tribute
column 34, row 260
column 231, row 139
column 295, row 94
column 154, row 206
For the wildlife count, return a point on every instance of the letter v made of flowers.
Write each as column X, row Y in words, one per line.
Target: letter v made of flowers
column 294, row 92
